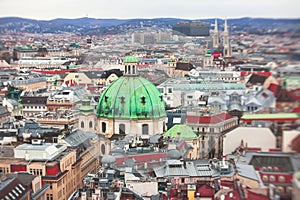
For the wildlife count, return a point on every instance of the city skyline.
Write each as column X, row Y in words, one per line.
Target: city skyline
column 127, row 9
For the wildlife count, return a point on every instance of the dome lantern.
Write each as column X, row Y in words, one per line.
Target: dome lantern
column 130, row 66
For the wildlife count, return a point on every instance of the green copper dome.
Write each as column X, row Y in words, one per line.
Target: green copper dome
column 182, row 131
column 130, row 59
column 208, row 53
column 131, row 98
column 86, row 107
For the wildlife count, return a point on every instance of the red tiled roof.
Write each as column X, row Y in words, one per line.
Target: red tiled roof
column 144, row 157
column 54, row 71
column 245, row 73
column 18, row 168
column 296, row 110
column 52, row 170
column 235, row 195
column 205, row 191
column 253, row 195
column 273, row 88
column 295, row 93
column 215, row 119
column 253, row 149
column 296, row 144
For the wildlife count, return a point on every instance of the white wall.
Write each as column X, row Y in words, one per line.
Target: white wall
column 255, row 137
column 287, row 138
column 143, row 188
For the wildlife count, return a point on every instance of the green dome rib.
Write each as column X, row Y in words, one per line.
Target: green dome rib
column 123, row 99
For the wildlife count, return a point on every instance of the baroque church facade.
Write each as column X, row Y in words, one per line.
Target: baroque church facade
column 131, row 105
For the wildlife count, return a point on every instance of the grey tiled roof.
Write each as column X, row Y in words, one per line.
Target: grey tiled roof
column 247, row 171
column 78, row 137
column 203, row 170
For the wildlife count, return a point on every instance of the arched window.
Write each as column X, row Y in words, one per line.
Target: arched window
column 103, row 127
column 265, row 178
column 281, row 179
column 279, row 189
column 129, row 70
column 145, row 129
column 289, row 189
column 91, row 124
column 272, row 178
column 122, row 129
column 82, row 124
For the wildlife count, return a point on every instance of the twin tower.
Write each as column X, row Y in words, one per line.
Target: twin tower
column 224, row 45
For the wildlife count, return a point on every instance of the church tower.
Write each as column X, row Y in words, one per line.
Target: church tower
column 171, row 66
column 216, row 36
column 87, row 116
column 226, row 43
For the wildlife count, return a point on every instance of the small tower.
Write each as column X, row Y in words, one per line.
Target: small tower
column 171, row 66
column 226, row 44
column 216, row 36
column 87, row 116
column 208, row 59
column 130, row 63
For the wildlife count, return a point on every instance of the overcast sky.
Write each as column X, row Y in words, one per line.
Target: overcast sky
column 125, row 9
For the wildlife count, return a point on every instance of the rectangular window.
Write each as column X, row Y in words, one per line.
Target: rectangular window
column 49, row 197
column 170, row 90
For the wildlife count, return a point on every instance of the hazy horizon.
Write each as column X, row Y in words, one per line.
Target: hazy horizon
column 151, row 18
column 137, row 9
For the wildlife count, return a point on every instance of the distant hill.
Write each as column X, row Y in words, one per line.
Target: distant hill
column 92, row 26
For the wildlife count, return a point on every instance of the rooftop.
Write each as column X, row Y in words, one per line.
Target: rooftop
column 182, row 131
column 46, row 151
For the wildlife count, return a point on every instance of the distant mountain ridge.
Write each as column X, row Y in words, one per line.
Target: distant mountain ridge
column 90, row 26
